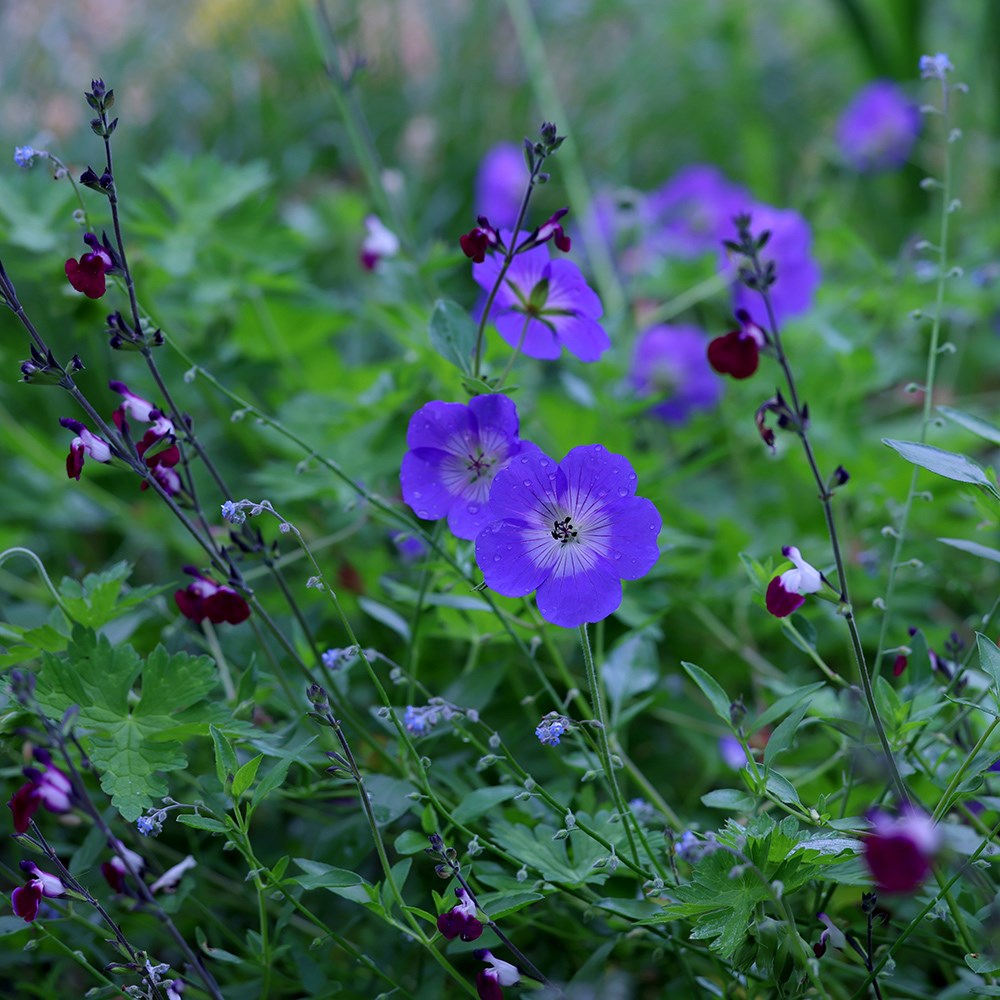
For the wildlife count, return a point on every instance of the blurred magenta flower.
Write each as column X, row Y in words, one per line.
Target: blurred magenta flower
column 87, row 274
column 50, row 788
column 544, row 305
column 790, row 249
column 460, row 920
column 670, row 363
column 26, row 898
column 786, row 593
column 500, row 184
column 204, row 598
column 84, row 444
column 878, row 128
column 455, row 453
column 499, row 973
column 737, row 353
column 731, row 752
column 379, row 242
column 570, row 530
column 691, row 214
column 898, row 850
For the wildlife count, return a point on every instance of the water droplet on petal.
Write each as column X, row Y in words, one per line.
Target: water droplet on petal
column 622, row 492
column 473, row 508
column 423, row 515
column 497, row 557
column 527, row 482
column 417, row 494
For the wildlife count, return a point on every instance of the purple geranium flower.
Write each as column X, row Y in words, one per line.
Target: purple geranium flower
column 691, row 214
column 570, row 530
column 671, row 362
column 500, row 184
column 455, row 451
column 790, row 248
column 878, row 128
column 544, row 305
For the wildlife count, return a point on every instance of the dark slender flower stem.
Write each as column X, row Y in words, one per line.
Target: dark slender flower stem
column 601, row 715
column 826, row 498
column 514, row 356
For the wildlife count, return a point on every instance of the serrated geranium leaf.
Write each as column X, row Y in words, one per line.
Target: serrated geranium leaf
column 128, row 738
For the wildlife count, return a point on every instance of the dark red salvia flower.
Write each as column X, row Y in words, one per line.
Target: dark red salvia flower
column 204, row 598
column 738, row 353
column 27, row 898
column 460, row 920
column 50, row 788
column 479, row 241
column 87, row 274
column 550, row 229
column 899, row 665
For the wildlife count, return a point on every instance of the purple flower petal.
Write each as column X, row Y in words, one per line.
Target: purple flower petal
column 634, row 530
column 437, row 424
column 502, row 555
column 540, row 340
column 583, row 595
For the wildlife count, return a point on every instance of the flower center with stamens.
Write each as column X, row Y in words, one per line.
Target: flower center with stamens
column 563, row 531
column 479, row 465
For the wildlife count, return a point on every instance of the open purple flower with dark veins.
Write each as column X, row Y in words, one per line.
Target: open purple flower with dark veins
column 544, row 305
column 786, row 593
column 27, row 898
column 50, row 788
column 670, row 363
column 499, row 973
column 691, row 214
column 460, row 920
column 84, row 444
column 790, row 248
column 570, row 530
column 878, row 128
column 455, row 451
column 500, row 184
column 898, row 850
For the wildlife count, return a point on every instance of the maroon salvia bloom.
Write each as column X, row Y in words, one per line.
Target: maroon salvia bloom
column 460, row 920
column 786, row 592
column 27, row 898
column 738, row 353
column 204, row 598
column 898, row 851
column 479, row 241
column 551, row 230
column 87, row 274
column 50, row 788
column 500, row 973
column 899, row 665
column 85, row 443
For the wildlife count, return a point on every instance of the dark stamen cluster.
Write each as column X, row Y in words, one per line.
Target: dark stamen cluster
column 563, row 531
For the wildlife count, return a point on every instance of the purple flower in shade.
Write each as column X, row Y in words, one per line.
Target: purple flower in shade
column 732, row 753
column 898, row 850
column 87, row 274
column 175, row 987
column 786, row 593
column 50, row 788
column 878, row 128
column 460, row 920
column 790, row 249
column 499, row 973
column 692, row 213
column 500, row 184
column 833, row 934
column 84, row 444
column 26, row 898
column 379, row 242
column 935, row 67
column 737, row 353
column 116, row 870
column 204, row 598
column 670, row 363
column 570, row 530
column 544, row 305
column 160, row 460
column 455, row 451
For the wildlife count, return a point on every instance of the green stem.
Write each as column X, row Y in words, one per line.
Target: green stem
column 945, row 803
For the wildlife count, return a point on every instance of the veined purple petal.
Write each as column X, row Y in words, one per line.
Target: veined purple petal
column 423, row 490
column 569, row 290
column 584, row 595
column 635, row 525
column 496, row 420
column 540, row 340
column 594, row 476
column 526, row 492
column 502, row 555
column 437, row 425
column 581, row 336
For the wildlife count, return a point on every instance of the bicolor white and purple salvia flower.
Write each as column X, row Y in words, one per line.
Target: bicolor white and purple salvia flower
column 571, row 531
column 552, row 729
column 379, row 242
column 171, row 878
column 670, row 364
column 691, row 214
column 790, row 250
column 85, row 445
column 543, row 305
column 123, row 863
column 786, row 592
column 157, row 447
column 899, row 849
column 26, row 899
column 499, row 973
column 878, row 128
column 50, row 788
column 500, row 184
column 833, row 936
column 461, row 920
column 455, row 453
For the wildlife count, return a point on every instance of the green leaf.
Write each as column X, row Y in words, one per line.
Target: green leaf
column 989, row 659
column 201, row 823
column 339, row 881
column 729, row 798
column 410, row 842
column 245, row 775
column 983, row 964
column 972, row 423
column 502, row 904
column 226, row 762
column 129, row 737
column 629, row 669
column 386, row 616
column 271, row 781
column 481, row 801
column 983, row 551
column 711, row 689
column 453, row 334
column 781, row 739
column 784, row 704
column 949, row 464
column 95, row 601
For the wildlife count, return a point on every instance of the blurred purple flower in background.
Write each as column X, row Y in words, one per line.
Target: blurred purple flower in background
column 500, row 184
column 692, row 213
column 731, row 752
column 544, row 305
column 670, row 363
column 898, row 851
column 878, row 128
column 790, row 248
column 455, row 451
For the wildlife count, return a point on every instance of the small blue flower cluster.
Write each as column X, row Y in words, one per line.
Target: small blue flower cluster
column 552, row 728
